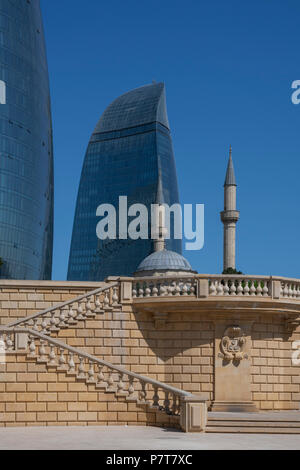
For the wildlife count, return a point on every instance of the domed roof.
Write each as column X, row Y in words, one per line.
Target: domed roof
column 164, row 260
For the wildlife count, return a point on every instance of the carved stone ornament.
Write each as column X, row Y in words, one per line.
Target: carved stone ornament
column 232, row 344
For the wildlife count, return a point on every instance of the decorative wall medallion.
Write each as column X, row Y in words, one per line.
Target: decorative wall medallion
column 232, row 344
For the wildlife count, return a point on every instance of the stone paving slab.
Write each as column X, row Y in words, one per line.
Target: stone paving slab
column 261, row 416
column 136, row 438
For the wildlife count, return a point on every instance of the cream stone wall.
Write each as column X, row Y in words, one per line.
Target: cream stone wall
column 275, row 380
column 19, row 299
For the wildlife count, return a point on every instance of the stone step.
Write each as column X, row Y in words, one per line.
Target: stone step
column 252, row 430
column 263, row 424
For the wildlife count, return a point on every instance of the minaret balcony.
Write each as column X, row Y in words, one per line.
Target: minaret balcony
column 230, row 216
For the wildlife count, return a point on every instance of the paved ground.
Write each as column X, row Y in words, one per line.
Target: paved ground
column 135, row 438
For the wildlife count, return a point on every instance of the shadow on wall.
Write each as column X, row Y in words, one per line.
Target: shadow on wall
column 181, row 351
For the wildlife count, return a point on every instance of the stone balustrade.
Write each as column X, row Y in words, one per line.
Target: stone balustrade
column 68, row 313
column 164, row 287
column 104, row 375
column 203, row 286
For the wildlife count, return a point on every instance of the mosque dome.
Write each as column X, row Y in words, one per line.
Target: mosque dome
column 162, row 262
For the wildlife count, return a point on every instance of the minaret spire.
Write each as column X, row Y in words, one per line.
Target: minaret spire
column 229, row 216
column 160, row 229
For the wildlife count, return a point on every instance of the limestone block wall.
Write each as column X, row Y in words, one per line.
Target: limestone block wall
column 275, row 380
column 19, row 299
column 180, row 354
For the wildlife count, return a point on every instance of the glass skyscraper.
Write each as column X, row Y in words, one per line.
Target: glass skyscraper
column 130, row 146
column 26, row 156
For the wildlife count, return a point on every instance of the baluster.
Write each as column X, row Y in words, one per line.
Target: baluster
column 52, row 356
column 285, row 290
column 281, row 290
column 121, row 383
column 259, row 289
column 9, row 343
column 246, row 288
column 81, row 369
column 162, row 290
column 35, row 327
column 2, row 344
column 110, row 381
column 62, row 360
column 131, row 387
column 193, row 287
column 232, row 288
column 100, row 376
column 291, row 290
column 265, row 289
column 71, row 363
column 91, row 372
column 155, row 397
column 155, row 291
column 134, row 291
column 106, row 301
column 89, row 308
column 184, row 289
column 32, row 346
column 167, row 402
column 148, row 290
column 226, row 287
column 177, row 290
column 98, row 304
column 143, row 392
column 53, row 321
column 71, row 315
column 62, row 317
column 170, row 289
column 212, row 288
column 240, row 288
column 42, row 352
column 115, row 296
column 141, row 291
column 80, row 314
column 219, row 288
column 298, row 291
column 174, row 404
column 252, row 289
column 44, row 326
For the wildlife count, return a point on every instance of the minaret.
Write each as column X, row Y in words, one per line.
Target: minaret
column 229, row 216
column 160, row 230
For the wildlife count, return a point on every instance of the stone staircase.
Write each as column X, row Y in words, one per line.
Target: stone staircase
column 272, row 422
column 33, row 340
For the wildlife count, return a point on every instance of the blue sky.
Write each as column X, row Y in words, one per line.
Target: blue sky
column 228, row 68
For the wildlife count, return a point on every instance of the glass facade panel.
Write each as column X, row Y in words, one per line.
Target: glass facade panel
column 131, row 141
column 26, row 155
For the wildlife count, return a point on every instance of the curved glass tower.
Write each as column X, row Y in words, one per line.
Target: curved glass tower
column 26, row 157
column 130, row 146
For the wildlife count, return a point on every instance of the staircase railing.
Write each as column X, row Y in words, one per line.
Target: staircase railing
column 67, row 313
column 109, row 377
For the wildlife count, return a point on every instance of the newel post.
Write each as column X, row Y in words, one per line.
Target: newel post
column 193, row 414
column 202, row 288
column 126, row 291
column 275, row 289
